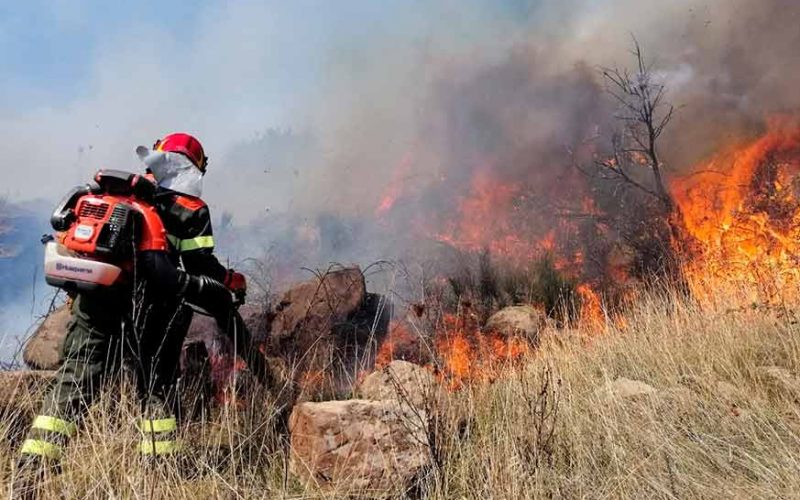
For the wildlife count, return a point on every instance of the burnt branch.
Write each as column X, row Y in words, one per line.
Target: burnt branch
column 644, row 114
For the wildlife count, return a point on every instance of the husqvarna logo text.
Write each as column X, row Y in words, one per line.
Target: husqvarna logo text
column 72, row 269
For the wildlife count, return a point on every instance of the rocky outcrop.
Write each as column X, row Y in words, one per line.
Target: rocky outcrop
column 43, row 349
column 521, row 321
column 403, row 382
column 358, row 447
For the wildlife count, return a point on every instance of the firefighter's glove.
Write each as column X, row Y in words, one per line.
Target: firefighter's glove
column 236, row 283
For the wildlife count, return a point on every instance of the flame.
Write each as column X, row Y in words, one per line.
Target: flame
column 592, row 314
column 460, row 352
column 224, row 369
column 468, row 355
column 398, row 344
column 396, row 186
column 487, row 219
column 742, row 209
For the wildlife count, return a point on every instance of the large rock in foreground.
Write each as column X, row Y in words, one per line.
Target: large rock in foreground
column 43, row 349
column 358, row 447
column 520, row 321
column 403, row 382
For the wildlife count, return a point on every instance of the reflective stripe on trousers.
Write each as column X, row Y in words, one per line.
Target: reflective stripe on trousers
column 158, row 436
column 42, row 448
column 48, row 436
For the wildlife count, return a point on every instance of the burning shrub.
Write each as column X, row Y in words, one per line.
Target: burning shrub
column 742, row 208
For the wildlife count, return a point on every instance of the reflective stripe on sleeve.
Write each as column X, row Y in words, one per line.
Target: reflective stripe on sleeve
column 150, row 447
column 53, row 424
column 162, row 425
column 41, row 448
column 192, row 243
column 196, row 243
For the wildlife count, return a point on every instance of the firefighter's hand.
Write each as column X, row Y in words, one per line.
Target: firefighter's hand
column 236, row 283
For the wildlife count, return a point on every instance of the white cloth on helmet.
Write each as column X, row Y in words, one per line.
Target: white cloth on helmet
column 172, row 171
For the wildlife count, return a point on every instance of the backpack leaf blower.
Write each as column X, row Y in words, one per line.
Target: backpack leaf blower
column 99, row 228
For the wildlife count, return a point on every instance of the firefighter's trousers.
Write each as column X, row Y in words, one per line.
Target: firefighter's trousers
column 107, row 332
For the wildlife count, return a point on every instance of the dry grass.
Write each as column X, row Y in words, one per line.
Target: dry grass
column 718, row 426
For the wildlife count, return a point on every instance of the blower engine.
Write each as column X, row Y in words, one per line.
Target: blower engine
column 99, row 228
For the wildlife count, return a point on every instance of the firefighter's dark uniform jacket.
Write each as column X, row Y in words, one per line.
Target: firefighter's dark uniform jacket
column 157, row 320
column 188, row 226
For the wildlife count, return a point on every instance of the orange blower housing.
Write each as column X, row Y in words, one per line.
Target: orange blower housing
column 113, row 226
column 99, row 228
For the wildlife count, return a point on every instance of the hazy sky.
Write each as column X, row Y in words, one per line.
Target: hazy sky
column 85, row 81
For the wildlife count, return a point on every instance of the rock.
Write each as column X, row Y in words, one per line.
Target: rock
column 326, row 329
column 628, row 389
column 358, row 447
column 400, row 381
column 522, row 321
column 320, row 303
column 43, row 349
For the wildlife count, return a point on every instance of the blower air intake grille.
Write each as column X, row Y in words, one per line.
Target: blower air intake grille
column 93, row 211
column 117, row 235
column 119, row 216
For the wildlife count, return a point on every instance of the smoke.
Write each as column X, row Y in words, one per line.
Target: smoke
column 343, row 131
column 23, row 293
column 728, row 66
column 417, row 124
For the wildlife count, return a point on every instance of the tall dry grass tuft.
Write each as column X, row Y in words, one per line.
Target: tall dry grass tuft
column 722, row 421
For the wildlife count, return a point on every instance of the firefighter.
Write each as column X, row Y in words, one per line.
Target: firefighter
column 144, row 325
column 188, row 223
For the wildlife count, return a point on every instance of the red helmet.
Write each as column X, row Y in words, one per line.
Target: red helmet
column 186, row 145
